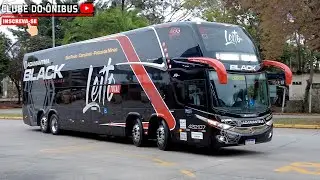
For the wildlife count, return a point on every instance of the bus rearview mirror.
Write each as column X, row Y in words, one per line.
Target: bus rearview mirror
column 277, row 64
column 215, row 64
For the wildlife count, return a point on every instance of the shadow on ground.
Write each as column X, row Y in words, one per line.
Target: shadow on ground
column 182, row 148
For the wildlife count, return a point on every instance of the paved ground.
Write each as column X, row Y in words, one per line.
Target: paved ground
column 11, row 111
column 28, row 154
column 276, row 116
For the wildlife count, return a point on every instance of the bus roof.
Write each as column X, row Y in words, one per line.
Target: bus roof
column 130, row 31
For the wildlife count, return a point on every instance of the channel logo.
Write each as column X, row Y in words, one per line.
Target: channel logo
column 86, row 8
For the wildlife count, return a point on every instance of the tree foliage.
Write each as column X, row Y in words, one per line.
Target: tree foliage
column 283, row 20
column 227, row 11
column 106, row 22
column 5, row 43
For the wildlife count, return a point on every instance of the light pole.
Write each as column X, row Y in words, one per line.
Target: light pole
column 53, row 30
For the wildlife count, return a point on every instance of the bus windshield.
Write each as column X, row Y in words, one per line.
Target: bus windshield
column 244, row 92
column 227, row 42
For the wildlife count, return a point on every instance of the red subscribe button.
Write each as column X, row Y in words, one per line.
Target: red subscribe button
column 86, row 8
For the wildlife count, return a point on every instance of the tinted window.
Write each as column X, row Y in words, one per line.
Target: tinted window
column 146, row 46
column 79, row 77
column 227, row 42
column 243, row 92
column 179, row 92
column 179, row 41
column 190, row 87
column 195, row 93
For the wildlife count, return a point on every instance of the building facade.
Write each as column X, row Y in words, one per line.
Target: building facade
column 8, row 91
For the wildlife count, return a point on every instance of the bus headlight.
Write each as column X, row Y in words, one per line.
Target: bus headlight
column 269, row 117
column 269, row 123
column 214, row 123
column 219, row 125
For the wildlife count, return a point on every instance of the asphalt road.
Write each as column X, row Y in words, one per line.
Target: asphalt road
column 28, row 154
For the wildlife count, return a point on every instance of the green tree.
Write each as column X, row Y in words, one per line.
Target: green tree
column 5, row 44
column 227, row 11
column 105, row 22
column 156, row 12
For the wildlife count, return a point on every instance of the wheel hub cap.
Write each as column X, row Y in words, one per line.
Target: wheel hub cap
column 160, row 135
column 54, row 124
column 136, row 132
column 44, row 123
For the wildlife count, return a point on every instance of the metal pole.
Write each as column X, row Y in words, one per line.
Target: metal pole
column 310, row 99
column 283, row 99
column 311, row 80
column 53, row 31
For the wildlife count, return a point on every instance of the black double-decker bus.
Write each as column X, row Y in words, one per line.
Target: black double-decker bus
column 196, row 83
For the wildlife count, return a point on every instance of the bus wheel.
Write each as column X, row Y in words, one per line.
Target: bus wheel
column 137, row 133
column 54, row 124
column 214, row 146
column 163, row 136
column 44, row 124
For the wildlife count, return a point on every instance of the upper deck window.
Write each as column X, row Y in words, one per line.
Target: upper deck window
column 146, row 46
column 227, row 42
column 179, row 41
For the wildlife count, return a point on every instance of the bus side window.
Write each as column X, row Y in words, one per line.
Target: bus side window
column 195, row 94
column 179, row 92
column 179, row 41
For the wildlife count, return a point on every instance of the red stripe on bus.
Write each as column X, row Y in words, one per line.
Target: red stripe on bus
column 150, row 89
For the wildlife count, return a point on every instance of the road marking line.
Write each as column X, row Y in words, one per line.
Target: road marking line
column 301, row 167
column 162, row 163
column 187, row 173
column 306, row 164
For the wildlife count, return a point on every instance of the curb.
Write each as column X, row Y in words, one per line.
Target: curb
column 10, row 118
column 297, row 114
column 297, row 126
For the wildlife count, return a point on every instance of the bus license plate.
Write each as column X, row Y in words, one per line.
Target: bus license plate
column 250, row 141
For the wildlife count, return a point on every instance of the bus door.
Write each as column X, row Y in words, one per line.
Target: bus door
column 191, row 94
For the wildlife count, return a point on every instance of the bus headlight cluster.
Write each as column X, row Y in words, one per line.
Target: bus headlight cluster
column 269, row 123
column 219, row 125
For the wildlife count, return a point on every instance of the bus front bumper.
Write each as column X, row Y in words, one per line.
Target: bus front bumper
column 244, row 135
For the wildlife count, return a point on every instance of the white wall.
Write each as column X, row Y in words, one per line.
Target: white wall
column 296, row 92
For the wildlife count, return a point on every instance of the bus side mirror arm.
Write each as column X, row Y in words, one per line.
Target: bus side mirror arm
column 285, row 68
column 215, row 64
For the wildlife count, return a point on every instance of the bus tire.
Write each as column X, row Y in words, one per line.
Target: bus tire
column 44, row 124
column 163, row 136
column 54, row 124
column 137, row 133
column 214, row 146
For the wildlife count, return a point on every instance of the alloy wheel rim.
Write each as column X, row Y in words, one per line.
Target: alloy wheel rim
column 44, row 123
column 160, row 135
column 54, row 125
column 136, row 133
